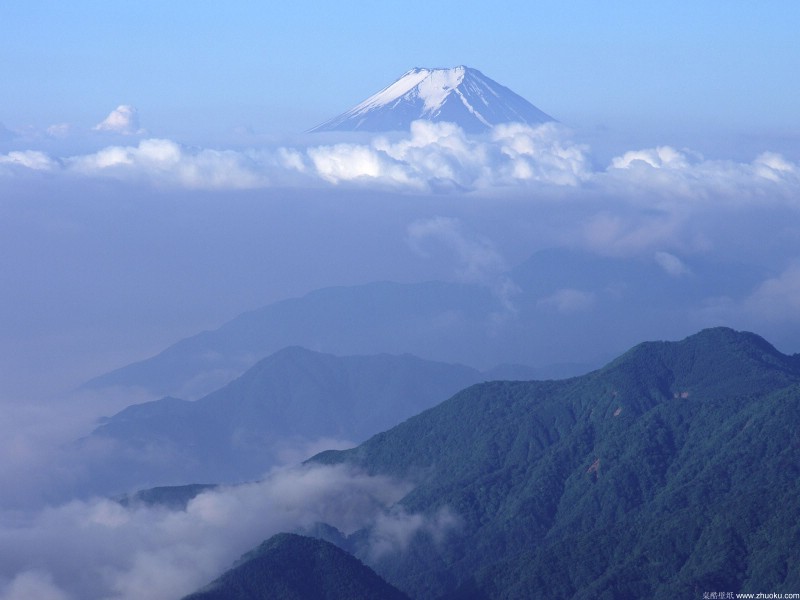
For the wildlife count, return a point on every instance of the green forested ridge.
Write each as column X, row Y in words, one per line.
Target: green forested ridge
column 293, row 567
column 670, row 472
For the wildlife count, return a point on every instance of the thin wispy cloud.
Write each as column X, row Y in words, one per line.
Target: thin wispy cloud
column 777, row 298
column 671, row 264
column 59, row 130
column 33, row 160
column 773, row 305
column 624, row 231
column 477, row 258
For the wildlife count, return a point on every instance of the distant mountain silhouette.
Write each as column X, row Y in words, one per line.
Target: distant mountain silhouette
column 174, row 497
column 366, row 319
column 558, row 307
column 286, row 402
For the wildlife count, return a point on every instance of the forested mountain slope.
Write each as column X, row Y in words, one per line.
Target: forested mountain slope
column 672, row 471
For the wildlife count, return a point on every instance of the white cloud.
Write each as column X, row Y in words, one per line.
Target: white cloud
column 351, row 162
column 440, row 157
column 291, row 159
column 685, row 176
column 437, row 153
column 777, row 298
column 123, row 120
column 771, row 309
column 478, row 259
column 774, row 167
column 59, row 130
column 671, row 264
column 32, row 585
column 29, row 159
column 393, row 530
column 165, row 162
column 98, row 549
column 542, row 153
column 662, row 157
column 626, row 232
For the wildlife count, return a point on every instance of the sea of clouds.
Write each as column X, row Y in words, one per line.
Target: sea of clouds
column 431, row 157
column 345, row 210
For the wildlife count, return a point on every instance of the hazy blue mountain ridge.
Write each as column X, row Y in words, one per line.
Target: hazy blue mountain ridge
column 368, row 319
column 561, row 306
column 269, row 415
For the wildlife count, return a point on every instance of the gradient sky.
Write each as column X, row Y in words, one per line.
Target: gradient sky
column 678, row 153
column 197, row 71
column 222, row 92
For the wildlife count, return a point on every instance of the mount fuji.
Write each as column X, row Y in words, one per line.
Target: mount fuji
column 460, row 95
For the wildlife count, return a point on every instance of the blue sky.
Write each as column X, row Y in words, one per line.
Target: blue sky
column 222, row 93
column 200, row 70
column 678, row 154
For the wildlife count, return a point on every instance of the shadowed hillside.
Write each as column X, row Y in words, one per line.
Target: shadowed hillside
column 293, row 567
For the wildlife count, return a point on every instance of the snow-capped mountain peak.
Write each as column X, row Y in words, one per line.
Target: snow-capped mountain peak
column 460, row 94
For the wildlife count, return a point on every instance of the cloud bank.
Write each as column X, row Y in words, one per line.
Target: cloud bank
column 440, row 156
column 431, row 157
column 163, row 162
column 99, row 549
column 683, row 175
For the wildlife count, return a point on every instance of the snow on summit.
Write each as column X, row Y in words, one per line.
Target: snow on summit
column 460, row 95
